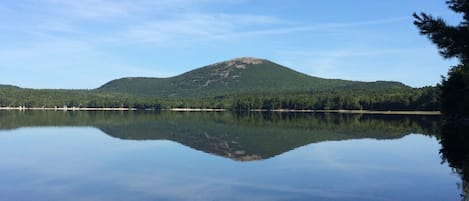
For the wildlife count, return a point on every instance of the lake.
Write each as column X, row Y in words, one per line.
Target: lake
column 47, row 155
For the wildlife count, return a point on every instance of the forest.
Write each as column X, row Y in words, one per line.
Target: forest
column 421, row 99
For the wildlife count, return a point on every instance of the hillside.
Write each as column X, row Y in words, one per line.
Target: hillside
column 236, row 76
column 3, row 86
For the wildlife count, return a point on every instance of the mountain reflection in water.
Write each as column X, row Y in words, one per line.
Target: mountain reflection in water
column 241, row 137
column 257, row 136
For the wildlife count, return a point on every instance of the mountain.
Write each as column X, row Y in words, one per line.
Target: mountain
column 3, row 86
column 236, row 76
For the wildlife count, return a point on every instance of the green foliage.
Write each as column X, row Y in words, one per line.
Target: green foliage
column 455, row 92
column 452, row 41
column 47, row 98
column 353, row 99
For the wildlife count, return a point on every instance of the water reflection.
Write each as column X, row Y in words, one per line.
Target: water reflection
column 454, row 142
column 241, row 137
column 292, row 156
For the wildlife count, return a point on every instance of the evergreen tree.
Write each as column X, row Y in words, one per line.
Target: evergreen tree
column 452, row 42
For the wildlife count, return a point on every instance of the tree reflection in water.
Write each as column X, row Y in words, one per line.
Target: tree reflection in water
column 455, row 150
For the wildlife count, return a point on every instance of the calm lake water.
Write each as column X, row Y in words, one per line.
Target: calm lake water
column 225, row 156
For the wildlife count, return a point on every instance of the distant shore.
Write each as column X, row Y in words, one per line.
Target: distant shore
column 108, row 109
column 381, row 112
column 356, row 111
column 223, row 110
column 67, row 108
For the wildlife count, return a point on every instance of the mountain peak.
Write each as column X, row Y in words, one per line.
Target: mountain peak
column 240, row 63
column 248, row 60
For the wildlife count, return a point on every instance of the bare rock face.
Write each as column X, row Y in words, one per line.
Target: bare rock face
column 240, row 62
column 225, row 72
column 243, row 61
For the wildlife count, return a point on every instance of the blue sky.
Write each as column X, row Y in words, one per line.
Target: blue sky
column 83, row 44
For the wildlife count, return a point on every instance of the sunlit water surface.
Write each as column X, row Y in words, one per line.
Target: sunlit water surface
column 84, row 163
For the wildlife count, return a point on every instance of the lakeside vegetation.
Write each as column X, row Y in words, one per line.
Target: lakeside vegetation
column 422, row 99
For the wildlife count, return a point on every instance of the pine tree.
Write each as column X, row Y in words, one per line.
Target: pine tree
column 452, row 42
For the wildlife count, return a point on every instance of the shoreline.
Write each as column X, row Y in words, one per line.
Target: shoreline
column 224, row 110
column 355, row 111
column 195, row 110
column 382, row 112
column 67, row 109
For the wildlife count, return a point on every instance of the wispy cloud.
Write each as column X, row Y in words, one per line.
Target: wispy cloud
column 93, row 9
column 197, row 26
column 108, row 9
column 214, row 26
column 163, row 21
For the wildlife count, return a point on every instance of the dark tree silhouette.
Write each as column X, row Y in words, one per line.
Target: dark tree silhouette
column 455, row 150
column 452, row 42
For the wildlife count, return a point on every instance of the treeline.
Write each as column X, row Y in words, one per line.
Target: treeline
column 425, row 99
column 39, row 98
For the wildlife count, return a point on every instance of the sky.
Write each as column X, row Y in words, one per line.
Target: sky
column 83, row 44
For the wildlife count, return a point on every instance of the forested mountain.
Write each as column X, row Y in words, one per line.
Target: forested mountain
column 236, row 76
column 241, row 84
column 2, row 86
